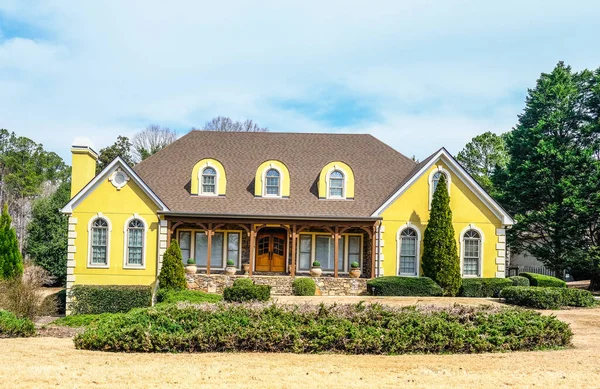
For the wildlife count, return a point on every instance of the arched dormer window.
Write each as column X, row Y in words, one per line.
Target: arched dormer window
column 99, row 242
column 272, row 183
column 471, row 252
column 434, row 178
column 336, row 184
column 209, row 181
column 135, row 243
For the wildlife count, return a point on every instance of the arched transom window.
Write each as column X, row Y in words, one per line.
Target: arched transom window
column 99, row 246
column 409, row 248
column 209, row 181
column 272, row 182
column 471, row 253
column 135, row 243
column 336, row 184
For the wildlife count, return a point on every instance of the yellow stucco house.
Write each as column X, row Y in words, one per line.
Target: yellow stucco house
column 275, row 202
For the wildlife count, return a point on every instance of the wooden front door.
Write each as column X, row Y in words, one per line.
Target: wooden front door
column 270, row 252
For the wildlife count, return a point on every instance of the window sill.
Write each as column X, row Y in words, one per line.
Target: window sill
column 131, row 267
column 89, row 266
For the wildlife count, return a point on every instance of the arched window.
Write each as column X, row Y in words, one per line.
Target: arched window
column 436, row 179
column 135, row 243
column 408, row 252
column 272, row 183
column 209, row 181
column 336, row 184
column 471, row 253
column 99, row 243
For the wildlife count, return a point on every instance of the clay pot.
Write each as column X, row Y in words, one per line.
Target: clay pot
column 316, row 271
column 354, row 273
column 230, row 270
column 246, row 267
column 191, row 269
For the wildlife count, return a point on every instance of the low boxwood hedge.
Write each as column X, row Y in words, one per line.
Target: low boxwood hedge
column 170, row 296
column 244, row 289
column 92, row 299
column 348, row 329
column 13, row 327
column 403, row 286
column 519, row 281
column 304, row 287
column 542, row 280
column 547, row 297
column 483, row 287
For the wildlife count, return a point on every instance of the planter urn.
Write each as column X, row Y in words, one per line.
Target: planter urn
column 316, row 271
column 191, row 269
column 231, row 270
column 354, row 273
column 246, row 267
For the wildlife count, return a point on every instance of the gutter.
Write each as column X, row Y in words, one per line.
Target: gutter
column 272, row 217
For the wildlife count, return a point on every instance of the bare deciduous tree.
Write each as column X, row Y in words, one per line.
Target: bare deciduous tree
column 225, row 124
column 150, row 141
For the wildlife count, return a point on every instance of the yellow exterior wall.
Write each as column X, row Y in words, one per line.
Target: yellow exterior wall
column 84, row 168
column 285, row 177
column 117, row 206
column 221, row 176
column 413, row 206
column 348, row 179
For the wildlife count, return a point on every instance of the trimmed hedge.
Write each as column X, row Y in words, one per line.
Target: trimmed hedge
column 542, row 280
column 403, row 286
column 304, row 287
column 348, row 329
column 483, row 287
column 244, row 289
column 92, row 299
column 519, row 280
column 547, row 297
column 170, row 296
column 13, row 327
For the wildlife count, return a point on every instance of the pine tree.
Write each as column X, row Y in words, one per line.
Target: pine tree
column 11, row 261
column 440, row 255
column 172, row 273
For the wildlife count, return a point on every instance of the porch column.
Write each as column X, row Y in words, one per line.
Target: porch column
column 373, row 250
column 169, row 233
column 209, row 234
column 252, row 250
column 294, row 236
column 336, row 251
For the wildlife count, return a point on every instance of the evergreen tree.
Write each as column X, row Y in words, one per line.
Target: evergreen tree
column 121, row 148
column 440, row 255
column 11, row 261
column 47, row 233
column 172, row 273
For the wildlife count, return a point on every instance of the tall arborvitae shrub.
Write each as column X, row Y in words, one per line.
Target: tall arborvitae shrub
column 440, row 255
column 11, row 261
column 172, row 273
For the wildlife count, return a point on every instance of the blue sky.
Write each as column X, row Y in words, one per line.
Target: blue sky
column 419, row 75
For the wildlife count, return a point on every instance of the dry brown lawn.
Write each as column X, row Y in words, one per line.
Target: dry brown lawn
column 51, row 362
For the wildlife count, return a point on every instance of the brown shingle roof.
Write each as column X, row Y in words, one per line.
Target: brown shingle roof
column 378, row 169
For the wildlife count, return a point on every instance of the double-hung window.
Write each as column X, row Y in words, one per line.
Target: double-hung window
column 472, row 253
column 135, row 243
column 336, row 184
column 209, row 181
column 99, row 249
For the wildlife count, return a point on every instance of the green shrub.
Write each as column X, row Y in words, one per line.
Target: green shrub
column 403, row 286
column 13, row 327
column 83, row 320
column 304, row 287
column 93, row 299
column 316, row 264
column 172, row 273
column 191, row 261
column 519, row 280
column 242, row 291
column 547, row 297
column 354, row 265
column 57, row 300
column 348, row 329
column 190, row 296
column 542, row 280
column 230, row 262
column 483, row 287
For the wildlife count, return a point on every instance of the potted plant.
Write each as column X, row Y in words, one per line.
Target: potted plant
column 246, row 267
column 315, row 269
column 354, row 270
column 191, row 267
column 230, row 269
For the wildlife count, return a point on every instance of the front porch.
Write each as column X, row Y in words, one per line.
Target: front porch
column 268, row 247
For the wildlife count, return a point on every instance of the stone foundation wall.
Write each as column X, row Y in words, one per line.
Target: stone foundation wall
column 280, row 285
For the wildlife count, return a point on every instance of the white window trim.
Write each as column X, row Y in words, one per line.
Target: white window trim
column 438, row 169
column 462, row 251
column 264, row 182
column 225, row 242
column 217, row 178
column 313, row 251
column 108, row 235
column 114, row 183
column 126, row 265
column 343, row 196
column 418, row 252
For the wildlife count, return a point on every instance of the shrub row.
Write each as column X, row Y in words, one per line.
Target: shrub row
column 403, row 286
column 170, row 296
column 304, row 287
column 483, row 287
column 244, row 289
column 13, row 327
column 542, row 280
column 547, row 297
column 519, row 280
column 350, row 329
column 91, row 299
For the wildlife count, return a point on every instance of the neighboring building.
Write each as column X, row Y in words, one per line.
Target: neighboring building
column 277, row 201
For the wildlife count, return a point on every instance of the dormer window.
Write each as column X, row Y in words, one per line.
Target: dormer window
column 209, row 181
column 336, row 184
column 272, row 183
